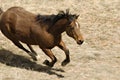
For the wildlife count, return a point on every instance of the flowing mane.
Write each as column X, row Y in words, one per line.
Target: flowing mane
column 61, row 15
column 54, row 18
column 45, row 18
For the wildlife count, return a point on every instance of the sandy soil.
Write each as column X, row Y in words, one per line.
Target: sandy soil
column 97, row 59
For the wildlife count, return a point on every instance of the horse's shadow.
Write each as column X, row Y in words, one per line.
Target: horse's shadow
column 11, row 59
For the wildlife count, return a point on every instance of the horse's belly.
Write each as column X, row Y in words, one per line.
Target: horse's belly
column 48, row 46
column 42, row 43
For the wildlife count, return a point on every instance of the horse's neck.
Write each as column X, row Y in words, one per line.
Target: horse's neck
column 58, row 28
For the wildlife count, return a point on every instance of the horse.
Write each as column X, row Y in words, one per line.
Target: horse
column 22, row 26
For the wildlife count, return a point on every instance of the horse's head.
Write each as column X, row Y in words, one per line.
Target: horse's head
column 73, row 29
column 69, row 24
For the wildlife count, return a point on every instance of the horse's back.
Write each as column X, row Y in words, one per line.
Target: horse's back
column 15, row 8
column 19, row 12
column 16, row 22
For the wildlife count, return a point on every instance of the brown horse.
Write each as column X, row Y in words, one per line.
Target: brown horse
column 19, row 25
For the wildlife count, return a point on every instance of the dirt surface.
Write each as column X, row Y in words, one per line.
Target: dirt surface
column 97, row 59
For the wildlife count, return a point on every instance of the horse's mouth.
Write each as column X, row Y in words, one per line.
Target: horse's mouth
column 79, row 42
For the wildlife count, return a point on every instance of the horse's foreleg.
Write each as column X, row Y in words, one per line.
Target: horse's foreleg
column 17, row 43
column 32, row 50
column 49, row 53
column 64, row 48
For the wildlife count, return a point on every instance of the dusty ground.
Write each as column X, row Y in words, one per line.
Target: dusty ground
column 97, row 59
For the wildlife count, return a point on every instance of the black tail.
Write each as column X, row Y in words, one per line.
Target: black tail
column 1, row 11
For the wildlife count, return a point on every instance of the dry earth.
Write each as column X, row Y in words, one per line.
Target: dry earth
column 97, row 59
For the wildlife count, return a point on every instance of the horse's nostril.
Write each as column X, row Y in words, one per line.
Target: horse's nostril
column 80, row 41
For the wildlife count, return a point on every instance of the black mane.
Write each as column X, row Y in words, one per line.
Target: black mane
column 54, row 18
column 44, row 18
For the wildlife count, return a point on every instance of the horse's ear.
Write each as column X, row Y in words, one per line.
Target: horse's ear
column 73, row 17
column 70, row 20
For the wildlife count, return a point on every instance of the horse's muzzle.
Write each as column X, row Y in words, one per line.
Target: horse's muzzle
column 80, row 42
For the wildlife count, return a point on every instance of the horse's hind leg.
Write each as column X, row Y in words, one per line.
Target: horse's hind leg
column 63, row 47
column 19, row 45
column 49, row 53
column 32, row 50
column 30, row 47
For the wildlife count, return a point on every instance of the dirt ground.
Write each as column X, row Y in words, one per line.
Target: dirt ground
column 97, row 59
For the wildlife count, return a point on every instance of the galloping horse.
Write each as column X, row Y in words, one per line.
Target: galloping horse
column 19, row 25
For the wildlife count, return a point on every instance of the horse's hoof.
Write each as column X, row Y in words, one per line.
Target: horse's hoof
column 65, row 62
column 46, row 62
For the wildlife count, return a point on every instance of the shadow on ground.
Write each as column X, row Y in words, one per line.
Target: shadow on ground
column 11, row 59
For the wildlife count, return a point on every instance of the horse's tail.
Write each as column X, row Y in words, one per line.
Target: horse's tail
column 1, row 11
